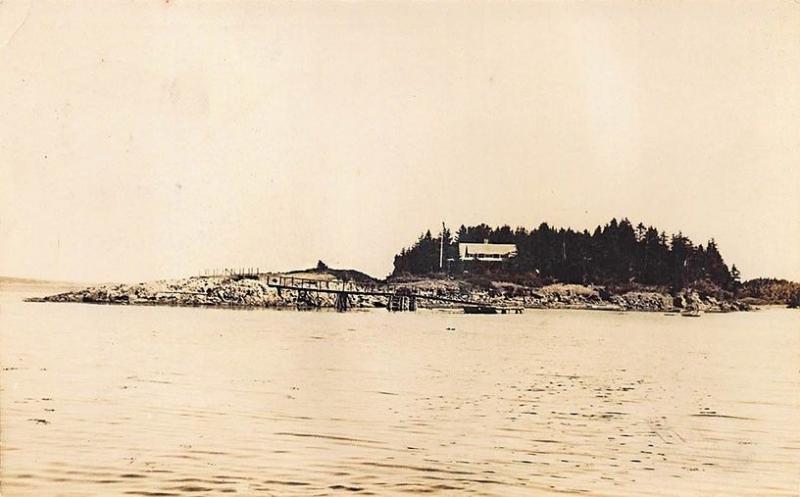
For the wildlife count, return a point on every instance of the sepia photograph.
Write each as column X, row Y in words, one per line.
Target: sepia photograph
column 364, row 247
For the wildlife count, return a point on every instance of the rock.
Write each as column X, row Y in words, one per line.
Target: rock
column 221, row 291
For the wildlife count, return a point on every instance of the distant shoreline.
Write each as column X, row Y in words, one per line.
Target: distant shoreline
column 6, row 281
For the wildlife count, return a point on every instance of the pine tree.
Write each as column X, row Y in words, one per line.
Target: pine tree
column 615, row 253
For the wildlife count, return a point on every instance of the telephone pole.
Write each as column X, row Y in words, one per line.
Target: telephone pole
column 441, row 248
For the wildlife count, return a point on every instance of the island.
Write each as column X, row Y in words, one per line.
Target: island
column 619, row 267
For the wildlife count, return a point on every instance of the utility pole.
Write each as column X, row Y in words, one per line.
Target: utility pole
column 441, row 248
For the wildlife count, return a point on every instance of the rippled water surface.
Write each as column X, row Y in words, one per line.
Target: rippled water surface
column 153, row 401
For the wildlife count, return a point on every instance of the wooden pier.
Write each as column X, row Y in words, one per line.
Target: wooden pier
column 399, row 297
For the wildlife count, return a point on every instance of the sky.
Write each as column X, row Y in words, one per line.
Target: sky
column 143, row 140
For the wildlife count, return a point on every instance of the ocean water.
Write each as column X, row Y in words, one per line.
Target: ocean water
column 162, row 401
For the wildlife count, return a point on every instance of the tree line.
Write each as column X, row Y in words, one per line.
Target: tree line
column 617, row 253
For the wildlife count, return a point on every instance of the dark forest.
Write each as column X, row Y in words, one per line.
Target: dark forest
column 618, row 253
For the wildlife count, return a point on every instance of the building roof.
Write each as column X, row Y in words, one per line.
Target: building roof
column 475, row 249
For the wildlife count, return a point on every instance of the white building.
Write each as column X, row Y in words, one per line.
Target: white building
column 486, row 251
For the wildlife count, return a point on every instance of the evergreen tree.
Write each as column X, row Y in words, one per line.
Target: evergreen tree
column 616, row 253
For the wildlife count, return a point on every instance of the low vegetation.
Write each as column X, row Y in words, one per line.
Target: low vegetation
column 771, row 291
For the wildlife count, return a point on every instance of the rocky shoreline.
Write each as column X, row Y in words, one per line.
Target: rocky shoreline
column 255, row 292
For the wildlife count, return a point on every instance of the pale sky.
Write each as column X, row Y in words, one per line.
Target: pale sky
column 141, row 140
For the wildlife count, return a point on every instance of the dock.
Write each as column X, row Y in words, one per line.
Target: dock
column 398, row 297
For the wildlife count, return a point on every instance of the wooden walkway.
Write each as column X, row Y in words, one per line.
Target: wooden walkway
column 400, row 297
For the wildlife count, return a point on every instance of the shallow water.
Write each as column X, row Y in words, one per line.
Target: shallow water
column 157, row 401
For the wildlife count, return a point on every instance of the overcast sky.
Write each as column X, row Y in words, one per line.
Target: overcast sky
column 141, row 140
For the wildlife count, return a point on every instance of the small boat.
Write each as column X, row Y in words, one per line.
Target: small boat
column 479, row 309
column 691, row 313
column 608, row 307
